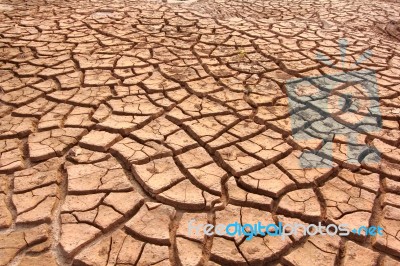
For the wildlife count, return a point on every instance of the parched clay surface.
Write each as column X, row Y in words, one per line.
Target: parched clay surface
column 120, row 121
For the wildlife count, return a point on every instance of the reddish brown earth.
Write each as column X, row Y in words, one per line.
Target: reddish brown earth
column 123, row 120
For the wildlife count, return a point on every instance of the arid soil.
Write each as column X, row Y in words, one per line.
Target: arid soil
column 123, row 120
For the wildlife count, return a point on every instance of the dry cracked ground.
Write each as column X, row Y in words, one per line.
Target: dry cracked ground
column 123, row 120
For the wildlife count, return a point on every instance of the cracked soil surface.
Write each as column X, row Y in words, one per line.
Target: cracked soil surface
column 123, row 120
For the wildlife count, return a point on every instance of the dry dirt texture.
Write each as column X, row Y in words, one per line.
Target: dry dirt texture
column 123, row 120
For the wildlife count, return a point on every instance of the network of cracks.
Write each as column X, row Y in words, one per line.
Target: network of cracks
column 123, row 120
